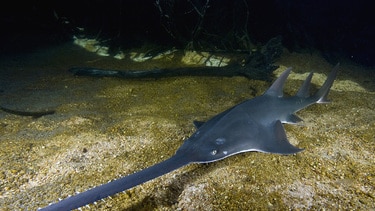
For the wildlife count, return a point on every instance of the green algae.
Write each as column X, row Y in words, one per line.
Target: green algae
column 113, row 127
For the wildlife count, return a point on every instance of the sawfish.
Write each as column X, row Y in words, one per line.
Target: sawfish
column 253, row 125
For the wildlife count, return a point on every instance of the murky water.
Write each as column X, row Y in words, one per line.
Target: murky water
column 106, row 127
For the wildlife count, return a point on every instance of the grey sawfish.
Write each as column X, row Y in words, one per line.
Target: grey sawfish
column 253, row 125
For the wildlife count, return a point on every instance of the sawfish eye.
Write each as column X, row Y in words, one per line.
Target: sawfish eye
column 220, row 141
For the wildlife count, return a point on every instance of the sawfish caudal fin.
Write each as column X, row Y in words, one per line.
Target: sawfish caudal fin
column 321, row 95
column 119, row 185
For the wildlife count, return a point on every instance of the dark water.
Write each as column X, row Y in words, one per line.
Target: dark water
column 110, row 126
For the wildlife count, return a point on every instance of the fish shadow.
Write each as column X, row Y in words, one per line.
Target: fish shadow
column 169, row 195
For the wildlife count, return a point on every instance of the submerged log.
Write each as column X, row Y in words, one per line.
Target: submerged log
column 33, row 114
column 258, row 65
column 228, row 71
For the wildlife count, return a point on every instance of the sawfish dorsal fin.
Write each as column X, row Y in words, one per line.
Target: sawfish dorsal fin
column 304, row 90
column 276, row 88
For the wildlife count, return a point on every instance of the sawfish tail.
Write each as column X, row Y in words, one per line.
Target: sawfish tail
column 322, row 93
column 119, row 185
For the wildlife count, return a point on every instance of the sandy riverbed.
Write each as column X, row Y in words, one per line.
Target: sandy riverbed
column 107, row 127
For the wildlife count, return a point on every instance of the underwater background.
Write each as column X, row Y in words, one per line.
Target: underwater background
column 62, row 133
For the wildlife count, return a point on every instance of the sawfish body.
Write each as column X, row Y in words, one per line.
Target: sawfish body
column 253, row 125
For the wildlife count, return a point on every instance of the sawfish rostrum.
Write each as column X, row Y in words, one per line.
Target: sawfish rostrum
column 253, row 125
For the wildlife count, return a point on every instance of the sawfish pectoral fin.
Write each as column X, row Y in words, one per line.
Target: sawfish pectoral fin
column 279, row 143
column 198, row 124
